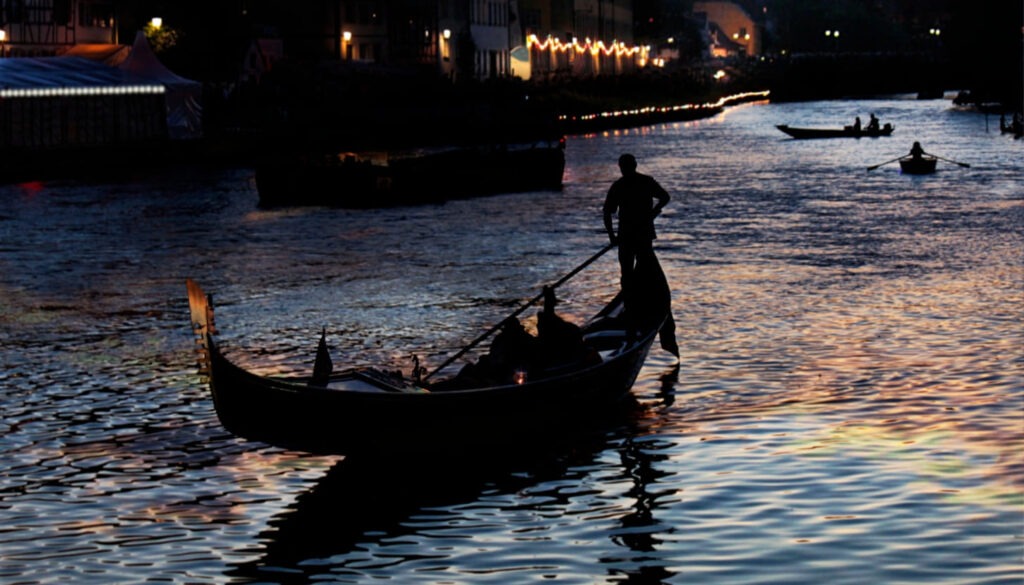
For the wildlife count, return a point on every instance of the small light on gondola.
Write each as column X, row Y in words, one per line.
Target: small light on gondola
column 519, row 376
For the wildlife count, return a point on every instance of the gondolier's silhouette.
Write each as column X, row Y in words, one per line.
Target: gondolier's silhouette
column 636, row 199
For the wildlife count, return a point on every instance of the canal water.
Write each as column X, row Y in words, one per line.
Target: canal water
column 848, row 407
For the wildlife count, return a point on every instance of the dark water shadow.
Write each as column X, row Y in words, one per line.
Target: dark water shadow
column 667, row 385
column 371, row 499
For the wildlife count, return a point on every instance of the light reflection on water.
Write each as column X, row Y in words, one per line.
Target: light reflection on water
column 847, row 404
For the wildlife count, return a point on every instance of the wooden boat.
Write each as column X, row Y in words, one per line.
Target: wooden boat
column 367, row 410
column 847, row 132
column 363, row 180
column 918, row 166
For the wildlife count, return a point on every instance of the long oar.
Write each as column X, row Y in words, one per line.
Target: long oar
column 519, row 311
column 871, row 168
column 964, row 165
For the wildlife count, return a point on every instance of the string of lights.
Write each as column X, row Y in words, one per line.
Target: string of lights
column 81, row 91
column 595, row 48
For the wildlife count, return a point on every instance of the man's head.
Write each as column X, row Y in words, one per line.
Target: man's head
column 627, row 164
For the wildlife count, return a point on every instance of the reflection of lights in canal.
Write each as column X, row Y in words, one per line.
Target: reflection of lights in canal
column 663, row 110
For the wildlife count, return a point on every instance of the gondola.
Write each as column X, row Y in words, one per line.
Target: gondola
column 365, row 409
column 847, row 132
column 918, row 166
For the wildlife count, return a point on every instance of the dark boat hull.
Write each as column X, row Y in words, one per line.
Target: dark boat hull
column 368, row 411
column 848, row 132
column 296, row 416
column 920, row 166
column 425, row 178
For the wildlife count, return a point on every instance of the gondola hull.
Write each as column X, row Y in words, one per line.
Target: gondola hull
column 848, row 132
column 368, row 411
column 317, row 420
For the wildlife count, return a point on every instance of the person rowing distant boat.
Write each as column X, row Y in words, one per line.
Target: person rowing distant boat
column 919, row 162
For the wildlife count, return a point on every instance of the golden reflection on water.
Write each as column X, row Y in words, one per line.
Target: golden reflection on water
column 899, row 351
column 911, row 373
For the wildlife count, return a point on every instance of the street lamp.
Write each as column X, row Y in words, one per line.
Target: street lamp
column 3, row 43
column 346, row 44
column 156, row 22
column 446, row 39
column 935, row 34
column 834, row 34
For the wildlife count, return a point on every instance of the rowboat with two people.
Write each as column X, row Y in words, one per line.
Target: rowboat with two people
column 511, row 394
column 845, row 132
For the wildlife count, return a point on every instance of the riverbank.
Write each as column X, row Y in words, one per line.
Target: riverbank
column 374, row 113
column 332, row 107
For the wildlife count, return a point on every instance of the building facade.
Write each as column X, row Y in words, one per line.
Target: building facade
column 459, row 39
column 580, row 38
column 731, row 31
column 38, row 28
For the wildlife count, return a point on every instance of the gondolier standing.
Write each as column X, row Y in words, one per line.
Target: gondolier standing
column 637, row 199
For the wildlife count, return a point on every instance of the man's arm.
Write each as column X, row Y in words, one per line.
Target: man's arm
column 661, row 195
column 609, row 208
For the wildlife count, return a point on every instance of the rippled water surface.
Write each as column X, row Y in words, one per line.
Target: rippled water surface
column 848, row 406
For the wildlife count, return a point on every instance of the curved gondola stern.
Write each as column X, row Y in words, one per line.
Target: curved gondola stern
column 201, row 309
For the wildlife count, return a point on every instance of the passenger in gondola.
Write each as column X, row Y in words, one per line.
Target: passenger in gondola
column 561, row 342
column 512, row 355
column 636, row 199
column 873, row 124
column 856, row 124
column 513, row 346
column 916, row 152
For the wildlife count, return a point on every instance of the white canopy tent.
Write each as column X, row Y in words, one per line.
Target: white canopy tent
column 72, row 101
column 184, row 96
